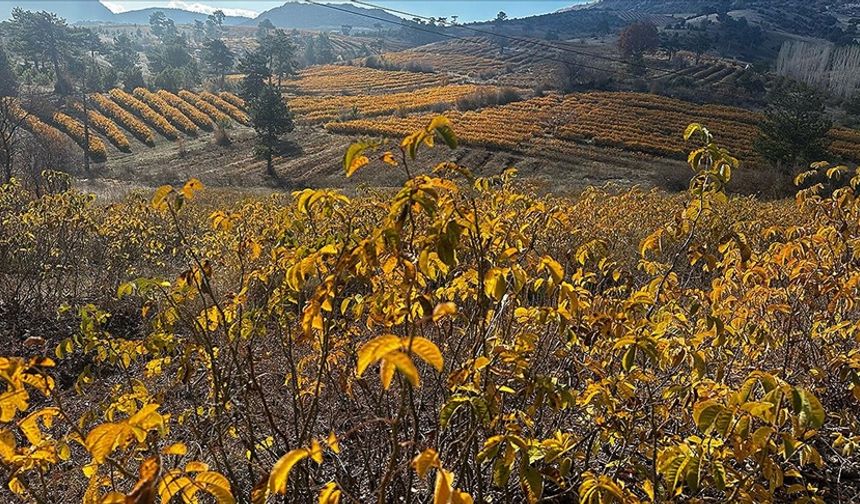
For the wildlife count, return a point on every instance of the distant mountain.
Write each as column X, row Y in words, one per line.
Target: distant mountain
column 179, row 16
column 290, row 15
column 72, row 10
column 316, row 17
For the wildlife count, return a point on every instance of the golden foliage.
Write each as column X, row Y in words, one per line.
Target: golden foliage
column 105, row 126
column 624, row 346
column 339, row 79
column 124, row 118
column 200, row 119
column 228, row 108
column 204, row 106
column 96, row 149
column 171, row 113
column 145, row 112
column 328, row 108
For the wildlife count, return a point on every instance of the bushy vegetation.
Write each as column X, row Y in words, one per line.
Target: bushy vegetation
column 610, row 347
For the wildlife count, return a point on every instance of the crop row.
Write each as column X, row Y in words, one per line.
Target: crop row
column 173, row 115
column 105, row 126
column 124, row 118
column 632, row 122
column 96, row 149
column 202, row 120
column 33, row 124
column 341, row 79
column 233, row 99
column 226, row 107
column 327, row 108
column 145, row 112
column 204, row 106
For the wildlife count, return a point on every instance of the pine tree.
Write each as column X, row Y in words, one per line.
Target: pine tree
column 271, row 119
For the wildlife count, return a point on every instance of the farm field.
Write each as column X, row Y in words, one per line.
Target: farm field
column 632, row 122
column 129, row 123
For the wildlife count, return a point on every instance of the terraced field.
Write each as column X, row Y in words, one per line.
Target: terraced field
column 556, row 125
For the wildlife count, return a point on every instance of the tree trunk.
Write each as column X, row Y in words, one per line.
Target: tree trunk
column 86, row 124
column 269, row 166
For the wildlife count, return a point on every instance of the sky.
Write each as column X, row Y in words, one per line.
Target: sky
column 474, row 10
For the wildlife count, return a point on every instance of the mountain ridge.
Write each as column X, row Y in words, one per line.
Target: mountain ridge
column 289, row 15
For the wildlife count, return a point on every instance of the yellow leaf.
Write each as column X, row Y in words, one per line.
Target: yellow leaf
column 444, row 487
column 333, row 443
column 105, row 438
column 16, row 486
column 7, row 445
column 315, row 452
column 443, row 310
column 388, row 158
column 191, row 187
column 330, row 494
column 173, row 483
column 426, row 350
column 556, row 270
column 403, row 364
column 374, row 349
column 147, row 418
column 353, row 158
column 386, row 373
column 196, row 466
column 159, row 198
column 424, row 461
column 458, row 497
column 113, row 498
column 495, row 283
column 216, row 485
column 175, row 449
column 144, row 490
column 29, row 425
column 281, row 470
column 357, row 163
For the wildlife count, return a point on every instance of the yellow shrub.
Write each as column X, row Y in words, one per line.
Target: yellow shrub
column 173, row 114
column 200, row 119
column 128, row 121
column 106, row 127
column 145, row 112
column 96, row 148
column 204, row 106
column 236, row 101
column 32, row 123
column 226, row 107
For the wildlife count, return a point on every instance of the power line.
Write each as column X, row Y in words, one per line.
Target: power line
column 455, row 37
column 521, row 40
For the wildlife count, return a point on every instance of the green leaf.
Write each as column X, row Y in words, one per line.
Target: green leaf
column 808, row 407
column 353, row 158
column 442, row 126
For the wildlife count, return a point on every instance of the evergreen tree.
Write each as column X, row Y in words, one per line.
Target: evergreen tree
column 271, row 119
column 794, row 130
column 8, row 78
column 42, row 36
column 255, row 66
column 218, row 58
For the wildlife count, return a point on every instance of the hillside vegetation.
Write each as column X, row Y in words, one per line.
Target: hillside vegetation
column 457, row 340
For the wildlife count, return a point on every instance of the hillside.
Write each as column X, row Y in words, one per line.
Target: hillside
column 307, row 16
column 72, row 10
column 178, row 16
column 291, row 15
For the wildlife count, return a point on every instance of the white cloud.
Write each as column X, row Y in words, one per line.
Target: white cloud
column 208, row 9
column 114, row 7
